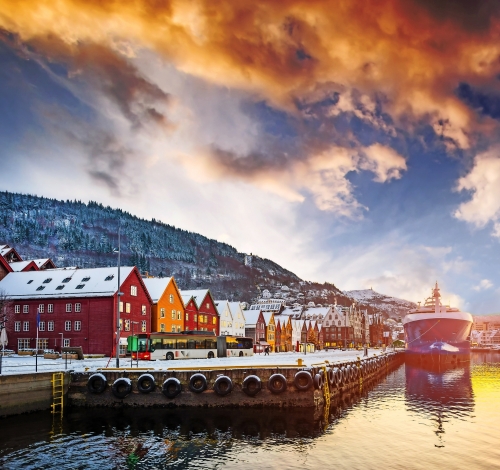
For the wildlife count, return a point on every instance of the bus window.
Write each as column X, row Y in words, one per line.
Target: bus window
column 211, row 343
column 245, row 343
column 231, row 343
column 181, row 344
column 191, row 344
column 200, row 344
column 156, row 343
column 168, row 343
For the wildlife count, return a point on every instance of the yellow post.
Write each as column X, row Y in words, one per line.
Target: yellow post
column 300, row 362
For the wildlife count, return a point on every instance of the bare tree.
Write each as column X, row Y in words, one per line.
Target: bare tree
column 6, row 308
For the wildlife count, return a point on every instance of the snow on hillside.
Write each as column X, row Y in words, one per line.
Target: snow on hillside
column 392, row 306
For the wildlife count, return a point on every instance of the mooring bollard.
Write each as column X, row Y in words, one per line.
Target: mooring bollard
column 300, row 362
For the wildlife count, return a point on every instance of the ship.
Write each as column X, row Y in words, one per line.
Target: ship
column 436, row 332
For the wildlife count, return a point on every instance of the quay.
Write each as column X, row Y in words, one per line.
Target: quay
column 311, row 381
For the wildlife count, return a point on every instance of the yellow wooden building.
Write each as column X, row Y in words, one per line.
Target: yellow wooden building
column 270, row 330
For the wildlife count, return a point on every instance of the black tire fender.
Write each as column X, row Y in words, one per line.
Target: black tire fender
column 331, row 377
column 338, row 377
column 303, row 380
column 198, row 383
column 97, row 383
column 223, row 385
column 121, row 387
column 277, row 383
column 146, row 383
column 171, row 387
column 252, row 385
column 318, row 381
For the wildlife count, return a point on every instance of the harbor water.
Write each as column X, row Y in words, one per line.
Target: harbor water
column 414, row 418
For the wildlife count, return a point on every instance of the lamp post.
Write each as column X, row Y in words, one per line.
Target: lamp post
column 2, row 328
column 66, row 357
column 136, row 348
column 118, row 295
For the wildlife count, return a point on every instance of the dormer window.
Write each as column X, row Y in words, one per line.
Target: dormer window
column 80, row 286
column 85, row 279
column 111, row 276
column 47, row 280
column 30, row 281
column 66, row 279
column 40, row 288
column 61, row 287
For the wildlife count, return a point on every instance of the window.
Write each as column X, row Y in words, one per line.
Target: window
column 173, row 314
column 121, row 307
column 178, row 329
column 67, row 325
column 50, row 308
column 17, row 309
column 43, row 343
column 61, row 287
column 173, row 329
column 85, row 279
column 110, row 277
column 133, row 291
column 127, row 307
column 26, row 325
column 26, row 308
column 143, row 326
column 47, row 280
column 80, row 286
column 30, row 281
column 187, row 316
column 66, row 343
column 50, row 326
column 40, row 288
column 41, row 308
column 208, row 305
column 195, row 317
column 78, row 307
column 162, row 313
column 143, row 310
column 121, row 324
column 179, row 315
column 162, row 327
column 41, row 326
column 17, row 326
column 214, row 320
column 68, row 307
column 127, row 325
column 171, row 298
column 23, row 343
column 66, row 279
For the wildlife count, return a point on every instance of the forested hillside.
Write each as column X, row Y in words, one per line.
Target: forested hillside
column 73, row 233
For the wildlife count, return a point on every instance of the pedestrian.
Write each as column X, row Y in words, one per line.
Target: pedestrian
column 266, row 351
column 366, row 351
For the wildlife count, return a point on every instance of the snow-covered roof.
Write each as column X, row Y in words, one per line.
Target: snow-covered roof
column 221, row 306
column 18, row 266
column 267, row 316
column 156, row 286
column 235, row 308
column 251, row 317
column 198, row 295
column 62, row 283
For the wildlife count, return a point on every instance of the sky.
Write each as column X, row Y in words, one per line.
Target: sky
column 354, row 143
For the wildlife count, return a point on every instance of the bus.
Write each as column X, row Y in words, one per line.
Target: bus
column 187, row 345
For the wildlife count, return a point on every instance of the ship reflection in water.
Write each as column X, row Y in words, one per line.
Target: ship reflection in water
column 440, row 393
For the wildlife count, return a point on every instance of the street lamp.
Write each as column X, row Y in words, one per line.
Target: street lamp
column 2, row 332
column 118, row 294
column 137, row 344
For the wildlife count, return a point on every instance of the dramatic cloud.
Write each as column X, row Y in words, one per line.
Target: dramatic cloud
column 483, row 182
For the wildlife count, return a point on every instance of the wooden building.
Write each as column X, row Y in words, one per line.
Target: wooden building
column 167, row 311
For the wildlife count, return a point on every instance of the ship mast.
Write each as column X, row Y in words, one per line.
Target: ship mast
column 436, row 295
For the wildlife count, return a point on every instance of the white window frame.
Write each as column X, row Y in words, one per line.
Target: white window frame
column 171, row 298
column 127, row 325
column 23, row 343
column 67, row 325
column 121, row 307
column 69, row 308
column 50, row 308
column 162, row 313
column 26, row 309
column 128, row 307
column 17, row 326
column 17, row 309
column 78, row 325
column 26, row 325
column 78, row 307
column 133, row 291
column 66, row 343
column 50, row 325
column 41, row 326
column 144, row 310
column 162, row 327
column 41, row 308
column 144, row 326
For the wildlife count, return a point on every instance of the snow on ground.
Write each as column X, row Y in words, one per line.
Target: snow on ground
column 26, row 364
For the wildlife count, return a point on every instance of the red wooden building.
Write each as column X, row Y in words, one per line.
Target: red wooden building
column 200, row 311
column 78, row 307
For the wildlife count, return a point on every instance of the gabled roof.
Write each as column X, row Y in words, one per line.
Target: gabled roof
column 45, row 263
column 156, row 286
column 20, row 285
column 9, row 253
column 28, row 265
column 235, row 308
column 6, row 265
column 221, row 306
column 267, row 316
column 197, row 295
column 251, row 316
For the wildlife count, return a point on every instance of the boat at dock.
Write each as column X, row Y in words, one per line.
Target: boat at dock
column 437, row 332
